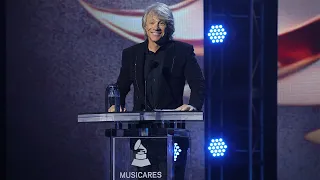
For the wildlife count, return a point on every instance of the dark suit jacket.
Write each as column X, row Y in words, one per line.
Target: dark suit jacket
column 179, row 65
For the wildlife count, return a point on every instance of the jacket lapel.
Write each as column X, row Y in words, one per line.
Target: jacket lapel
column 139, row 69
column 168, row 61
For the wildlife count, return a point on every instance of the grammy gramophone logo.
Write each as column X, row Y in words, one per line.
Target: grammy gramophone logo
column 141, row 159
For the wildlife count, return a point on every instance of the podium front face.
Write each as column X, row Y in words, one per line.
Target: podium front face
column 141, row 158
column 145, row 152
column 151, row 157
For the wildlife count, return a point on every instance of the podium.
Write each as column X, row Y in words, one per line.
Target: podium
column 147, row 145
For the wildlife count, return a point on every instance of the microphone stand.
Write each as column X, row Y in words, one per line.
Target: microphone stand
column 145, row 94
column 144, row 131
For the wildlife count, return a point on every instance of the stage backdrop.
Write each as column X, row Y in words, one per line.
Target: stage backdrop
column 298, row 88
column 61, row 55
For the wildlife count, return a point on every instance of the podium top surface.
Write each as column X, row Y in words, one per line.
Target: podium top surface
column 141, row 116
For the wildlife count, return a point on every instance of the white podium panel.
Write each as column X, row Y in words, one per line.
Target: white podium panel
column 148, row 116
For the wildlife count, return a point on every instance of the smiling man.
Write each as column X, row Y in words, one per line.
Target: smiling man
column 159, row 67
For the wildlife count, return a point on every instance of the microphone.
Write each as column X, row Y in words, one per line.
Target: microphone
column 153, row 64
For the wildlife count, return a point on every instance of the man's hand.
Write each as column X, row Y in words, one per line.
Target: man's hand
column 186, row 107
column 113, row 109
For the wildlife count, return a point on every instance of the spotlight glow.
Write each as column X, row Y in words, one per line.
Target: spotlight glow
column 217, row 147
column 217, row 34
column 177, row 151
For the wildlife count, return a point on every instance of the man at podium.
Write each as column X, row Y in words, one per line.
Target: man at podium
column 159, row 67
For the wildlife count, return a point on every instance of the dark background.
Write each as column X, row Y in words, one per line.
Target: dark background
column 59, row 60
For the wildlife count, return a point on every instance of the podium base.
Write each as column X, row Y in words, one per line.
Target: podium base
column 166, row 152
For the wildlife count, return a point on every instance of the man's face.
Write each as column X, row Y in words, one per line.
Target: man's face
column 155, row 27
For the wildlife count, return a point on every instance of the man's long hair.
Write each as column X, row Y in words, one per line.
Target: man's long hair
column 164, row 13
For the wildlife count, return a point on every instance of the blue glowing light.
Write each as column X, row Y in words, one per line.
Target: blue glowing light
column 217, row 147
column 217, row 34
column 176, row 151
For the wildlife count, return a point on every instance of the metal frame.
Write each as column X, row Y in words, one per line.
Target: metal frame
column 256, row 82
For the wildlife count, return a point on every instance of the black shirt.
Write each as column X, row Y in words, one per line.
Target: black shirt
column 153, row 75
